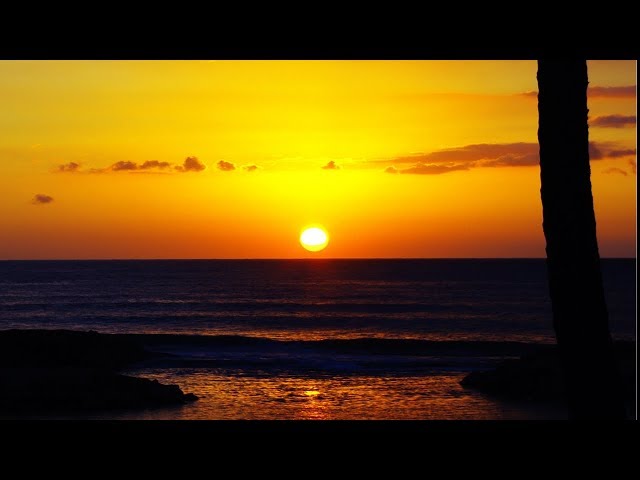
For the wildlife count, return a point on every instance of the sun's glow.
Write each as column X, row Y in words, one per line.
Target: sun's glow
column 314, row 239
column 405, row 137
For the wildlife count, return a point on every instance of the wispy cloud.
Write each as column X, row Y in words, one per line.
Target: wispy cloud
column 503, row 154
column 473, row 153
column 613, row 121
column 633, row 165
column 600, row 150
column 250, row 168
column 488, row 155
column 509, row 160
column 226, row 166
column 427, row 169
column 331, row 166
column 628, row 91
column 625, row 152
column 190, row 164
column 41, row 199
column 615, row 170
column 69, row 167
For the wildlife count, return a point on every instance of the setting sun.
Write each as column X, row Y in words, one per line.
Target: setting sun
column 314, row 239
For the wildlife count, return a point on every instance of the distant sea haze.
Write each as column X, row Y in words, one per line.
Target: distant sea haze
column 312, row 339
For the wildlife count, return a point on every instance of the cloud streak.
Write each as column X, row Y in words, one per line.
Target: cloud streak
column 628, row 91
column 614, row 121
column 629, row 152
column 508, row 152
column 615, row 170
column 509, row 160
column 426, row 169
column 69, row 167
column 487, row 155
column 41, row 199
column 190, row 164
column 519, row 154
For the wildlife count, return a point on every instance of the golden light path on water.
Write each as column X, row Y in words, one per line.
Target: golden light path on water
column 336, row 397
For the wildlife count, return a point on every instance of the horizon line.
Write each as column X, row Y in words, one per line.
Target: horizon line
column 279, row 259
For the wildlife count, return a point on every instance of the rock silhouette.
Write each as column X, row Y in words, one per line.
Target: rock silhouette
column 538, row 376
column 44, row 371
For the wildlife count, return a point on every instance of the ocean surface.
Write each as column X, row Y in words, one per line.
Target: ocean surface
column 313, row 339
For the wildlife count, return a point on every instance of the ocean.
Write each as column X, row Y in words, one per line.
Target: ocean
column 312, row 339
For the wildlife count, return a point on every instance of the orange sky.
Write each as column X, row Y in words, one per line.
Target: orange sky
column 431, row 158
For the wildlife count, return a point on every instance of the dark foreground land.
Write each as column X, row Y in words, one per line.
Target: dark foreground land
column 47, row 371
column 537, row 376
column 63, row 371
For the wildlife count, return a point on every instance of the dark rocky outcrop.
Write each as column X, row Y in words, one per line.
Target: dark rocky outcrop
column 46, row 371
column 538, row 376
column 68, row 348
column 79, row 389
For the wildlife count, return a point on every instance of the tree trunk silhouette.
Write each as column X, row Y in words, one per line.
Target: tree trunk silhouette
column 580, row 316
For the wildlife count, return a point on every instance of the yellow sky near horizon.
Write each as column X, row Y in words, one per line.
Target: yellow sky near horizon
column 424, row 120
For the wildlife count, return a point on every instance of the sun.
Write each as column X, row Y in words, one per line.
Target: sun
column 314, row 239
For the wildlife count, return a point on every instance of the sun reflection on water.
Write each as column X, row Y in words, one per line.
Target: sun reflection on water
column 284, row 397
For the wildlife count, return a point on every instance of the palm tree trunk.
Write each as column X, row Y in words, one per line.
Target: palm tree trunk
column 580, row 316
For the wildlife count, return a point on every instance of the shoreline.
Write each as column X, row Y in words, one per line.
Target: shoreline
column 52, row 371
column 62, row 371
